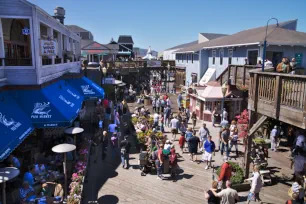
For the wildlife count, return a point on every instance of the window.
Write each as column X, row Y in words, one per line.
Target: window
column 208, row 106
column 252, row 57
column 194, row 77
column 191, row 58
column 221, row 56
column 214, row 56
column 230, row 56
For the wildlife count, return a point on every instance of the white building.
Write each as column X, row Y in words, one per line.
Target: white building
column 35, row 47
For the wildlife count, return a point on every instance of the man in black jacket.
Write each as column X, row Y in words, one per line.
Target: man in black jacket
column 125, row 150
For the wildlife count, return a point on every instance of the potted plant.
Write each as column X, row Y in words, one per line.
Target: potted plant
column 237, row 178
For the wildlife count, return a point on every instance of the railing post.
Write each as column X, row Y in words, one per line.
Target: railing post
column 277, row 96
column 235, row 75
column 255, row 91
column 244, row 68
column 228, row 73
column 304, row 115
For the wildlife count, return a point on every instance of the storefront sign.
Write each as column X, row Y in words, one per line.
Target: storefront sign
column 48, row 47
column 41, row 110
column 299, row 59
column 26, row 31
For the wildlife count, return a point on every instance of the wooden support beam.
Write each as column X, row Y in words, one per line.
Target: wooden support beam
column 235, row 75
column 244, row 71
column 277, row 96
column 255, row 91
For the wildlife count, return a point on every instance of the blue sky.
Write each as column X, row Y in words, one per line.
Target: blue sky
column 162, row 24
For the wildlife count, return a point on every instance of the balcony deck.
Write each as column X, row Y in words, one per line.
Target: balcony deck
column 279, row 96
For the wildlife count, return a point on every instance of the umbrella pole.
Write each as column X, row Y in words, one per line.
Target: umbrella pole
column 65, row 173
column 75, row 148
column 3, row 193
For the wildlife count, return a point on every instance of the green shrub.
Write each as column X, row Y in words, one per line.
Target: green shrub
column 237, row 175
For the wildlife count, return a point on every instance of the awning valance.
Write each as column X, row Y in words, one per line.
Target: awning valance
column 15, row 125
column 87, row 88
column 56, row 105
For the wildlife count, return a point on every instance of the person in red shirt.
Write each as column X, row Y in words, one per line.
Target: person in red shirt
column 182, row 141
column 105, row 103
column 159, row 162
column 226, row 172
column 173, row 163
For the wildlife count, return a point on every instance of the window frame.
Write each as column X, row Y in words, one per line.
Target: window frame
column 230, row 56
column 214, row 54
column 221, row 57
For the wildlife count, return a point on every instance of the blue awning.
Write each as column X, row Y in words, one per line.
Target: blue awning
column 56, row 105
column 87, row 88
column 15, row 125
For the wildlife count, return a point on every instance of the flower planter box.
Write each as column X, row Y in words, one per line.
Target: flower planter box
column 147, row 101
column 242, row 187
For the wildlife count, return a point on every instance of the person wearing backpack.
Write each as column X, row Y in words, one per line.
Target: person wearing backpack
column 125, row 150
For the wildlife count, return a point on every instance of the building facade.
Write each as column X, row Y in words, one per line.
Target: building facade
column 34, row 47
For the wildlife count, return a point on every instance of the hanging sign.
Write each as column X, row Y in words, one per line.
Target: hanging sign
column 299, row 59
column 26, row 31
column 48, row 47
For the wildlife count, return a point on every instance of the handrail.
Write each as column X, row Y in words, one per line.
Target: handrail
column 278, row 95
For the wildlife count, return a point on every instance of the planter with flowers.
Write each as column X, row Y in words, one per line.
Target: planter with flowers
column 78, row 177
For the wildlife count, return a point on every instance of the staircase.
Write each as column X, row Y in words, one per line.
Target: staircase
column 257, row 125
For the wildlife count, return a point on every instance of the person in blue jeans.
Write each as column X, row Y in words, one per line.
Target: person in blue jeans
column 159, row 162
column 224, row 141
column 234, row 141
column 125, row 151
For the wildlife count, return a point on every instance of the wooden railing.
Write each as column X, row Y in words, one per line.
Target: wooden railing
column 239, row 74
column 139, row 64
column 280, row 96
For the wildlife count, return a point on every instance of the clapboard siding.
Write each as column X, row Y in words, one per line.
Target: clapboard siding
column 1, row 73
column 21, row 76
column 14, row 8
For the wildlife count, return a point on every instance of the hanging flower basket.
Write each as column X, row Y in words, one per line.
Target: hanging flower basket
column 242, row 87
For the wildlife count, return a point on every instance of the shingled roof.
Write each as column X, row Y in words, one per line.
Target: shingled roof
column 211, row 36
column 76, row 28
column 125, row 39
column 183, row 45
column 277, row 35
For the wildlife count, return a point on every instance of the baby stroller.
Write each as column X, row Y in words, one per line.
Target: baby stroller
column 146, row 164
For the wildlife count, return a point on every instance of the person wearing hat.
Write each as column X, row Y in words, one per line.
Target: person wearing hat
column 273, row 138
column 255, row 186
column 125, row 150
column 226, row 172
column 167, row 145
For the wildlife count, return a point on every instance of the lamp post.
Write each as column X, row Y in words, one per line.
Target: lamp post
column 265, row 44
column 168, row 76
column 224, row 89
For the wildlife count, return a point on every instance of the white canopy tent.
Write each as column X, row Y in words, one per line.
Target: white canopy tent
column 149, row 55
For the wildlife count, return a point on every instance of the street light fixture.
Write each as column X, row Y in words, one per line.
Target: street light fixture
column 168, row 76
column 265, row 44
column 224, row 90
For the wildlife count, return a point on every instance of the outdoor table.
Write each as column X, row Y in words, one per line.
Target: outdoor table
column 74, row 131
column 64, row 148
column 7, row 174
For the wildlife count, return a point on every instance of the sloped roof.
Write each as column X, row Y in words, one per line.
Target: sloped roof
column 183, row 45
column 275, row 35
column 95, row 46
column 76, row 28
column 125, row 39
column 113, row 46
column 84, row 43
column 211, row 36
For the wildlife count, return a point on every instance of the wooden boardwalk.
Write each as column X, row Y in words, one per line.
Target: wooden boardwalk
column 108, row 183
